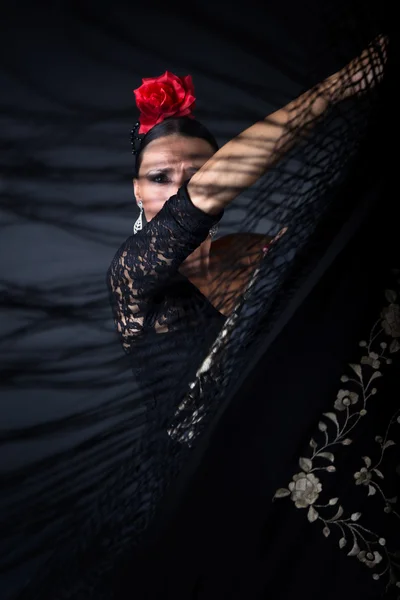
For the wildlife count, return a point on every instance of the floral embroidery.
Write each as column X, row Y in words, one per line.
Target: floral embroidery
column 345, row 399
column 305, row 489
column 334, row 430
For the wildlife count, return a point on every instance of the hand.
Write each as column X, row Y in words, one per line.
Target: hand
column 361, row 74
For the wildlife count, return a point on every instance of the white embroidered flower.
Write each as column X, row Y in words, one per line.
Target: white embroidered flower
column 371, row 559
column 363, row 476
column 305, row 489
column 372, row 359
column 344, row 399
column 391, row 320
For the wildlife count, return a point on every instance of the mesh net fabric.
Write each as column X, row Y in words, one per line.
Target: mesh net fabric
column 79, row 512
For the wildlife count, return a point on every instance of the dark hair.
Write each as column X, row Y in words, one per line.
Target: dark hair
column 175, row 126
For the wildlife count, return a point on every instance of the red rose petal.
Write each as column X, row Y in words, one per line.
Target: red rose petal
column 164, row 96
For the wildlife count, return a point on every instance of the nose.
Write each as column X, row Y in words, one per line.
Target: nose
column 181, row 179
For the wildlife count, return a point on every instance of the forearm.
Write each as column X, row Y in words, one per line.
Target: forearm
column 243, row 160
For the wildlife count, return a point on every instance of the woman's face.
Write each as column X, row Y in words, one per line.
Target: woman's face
column 166, row 164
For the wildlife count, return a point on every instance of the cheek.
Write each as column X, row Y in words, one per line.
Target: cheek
column 154, row 197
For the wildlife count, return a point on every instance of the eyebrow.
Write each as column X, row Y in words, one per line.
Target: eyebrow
column 168, row 170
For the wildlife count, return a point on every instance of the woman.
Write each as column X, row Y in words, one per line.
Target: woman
column 170, row 276
column 163, row 282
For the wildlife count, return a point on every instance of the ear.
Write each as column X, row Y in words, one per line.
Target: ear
column 136, row 190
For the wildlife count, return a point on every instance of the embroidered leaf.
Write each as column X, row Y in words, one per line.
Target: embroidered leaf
column 355, row 516
column 379, row 473
column 357, row 370
column 390, row 296
column 379, row 439
column 326, row 531
column 347, row 442
column 312, row 514
column 375, row 375
column 322, row 426
column 327, row 455
column 330, row 469
column 338, row 514
column 313, row 443
column 355, row 549
column 367, row 461
column 305, row 464
column 392, row 500
column 394, row 346
column 389, row 443
column 371, row 490
column 332, row 417
column 282, row 493
column 333, row 501
column 342, row 542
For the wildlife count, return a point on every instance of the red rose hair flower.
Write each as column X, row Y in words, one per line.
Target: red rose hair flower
column 165, row 96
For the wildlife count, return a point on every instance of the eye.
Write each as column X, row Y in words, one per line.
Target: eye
column 160, row 178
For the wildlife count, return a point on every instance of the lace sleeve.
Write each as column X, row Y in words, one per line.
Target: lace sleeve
column 147, row 261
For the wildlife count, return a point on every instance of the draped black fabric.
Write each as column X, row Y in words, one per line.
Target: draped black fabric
column 264, row 462
column 229, row 537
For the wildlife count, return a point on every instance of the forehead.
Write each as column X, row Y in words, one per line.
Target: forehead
column 175, row 150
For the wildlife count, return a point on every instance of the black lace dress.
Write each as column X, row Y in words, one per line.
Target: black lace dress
column 166, row 324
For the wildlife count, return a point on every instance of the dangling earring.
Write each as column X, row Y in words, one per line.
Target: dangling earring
column 214, row 231
column 139, row 222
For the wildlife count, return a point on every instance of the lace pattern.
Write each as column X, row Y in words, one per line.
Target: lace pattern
column 142, row 275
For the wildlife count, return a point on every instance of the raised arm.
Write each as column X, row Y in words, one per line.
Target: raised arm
column 243, row 160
